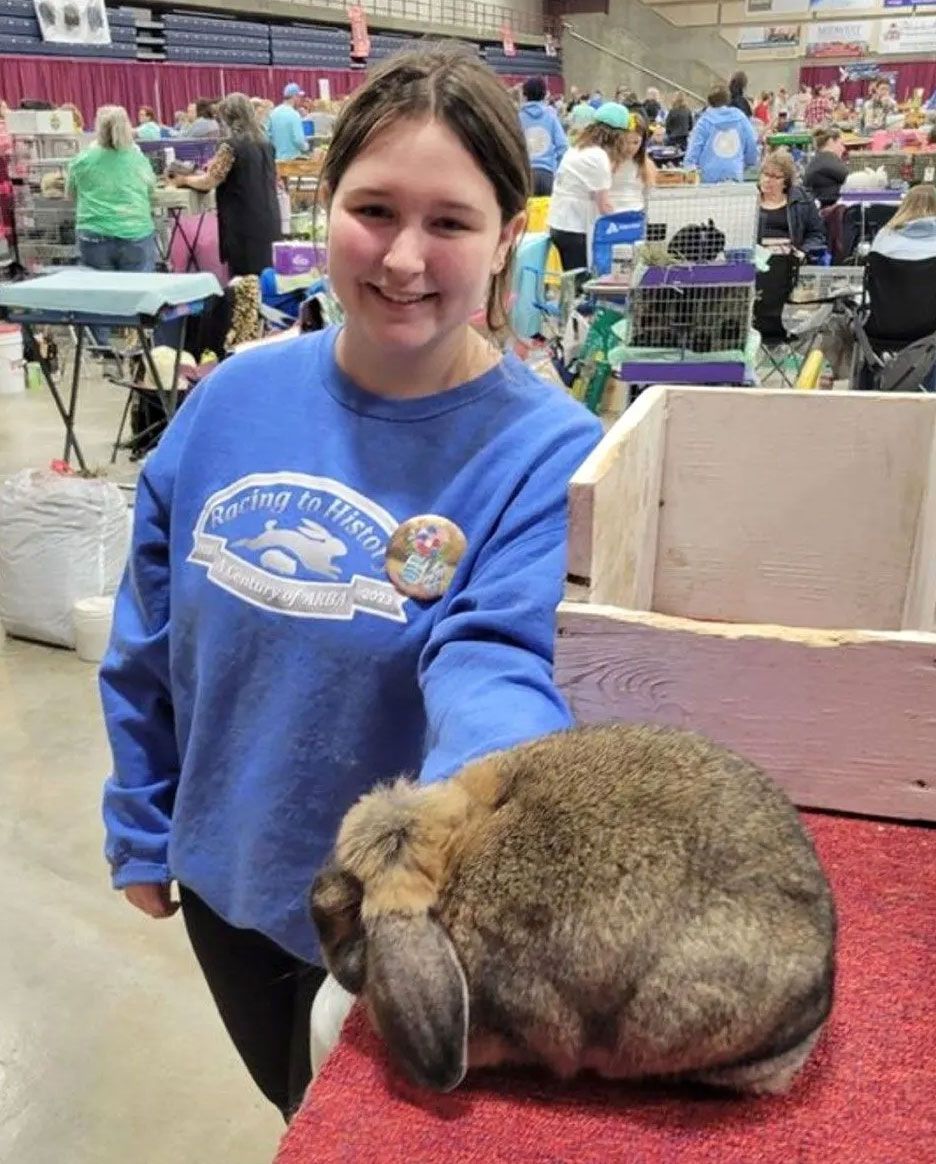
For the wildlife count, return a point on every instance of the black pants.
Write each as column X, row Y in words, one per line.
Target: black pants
column 542, row 182
column 572, row 248
column 264, row 996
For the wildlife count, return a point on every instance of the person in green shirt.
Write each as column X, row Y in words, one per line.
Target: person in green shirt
column 149, row 128
column 112, row 184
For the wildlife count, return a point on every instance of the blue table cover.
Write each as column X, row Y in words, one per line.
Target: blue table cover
column 80, row 290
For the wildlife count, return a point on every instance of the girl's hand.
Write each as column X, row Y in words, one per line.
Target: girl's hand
column 153, row 900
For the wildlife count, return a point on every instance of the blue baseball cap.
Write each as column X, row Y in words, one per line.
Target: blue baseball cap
column 293, row 90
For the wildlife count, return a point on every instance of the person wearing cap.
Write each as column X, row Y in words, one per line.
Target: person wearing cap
column 582, row 190
column 285, row 126
column 580, row 118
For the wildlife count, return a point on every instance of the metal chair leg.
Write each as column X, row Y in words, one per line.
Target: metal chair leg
column 123, row 421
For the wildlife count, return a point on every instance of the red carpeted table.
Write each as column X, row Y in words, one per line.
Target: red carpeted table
column 868, row 1096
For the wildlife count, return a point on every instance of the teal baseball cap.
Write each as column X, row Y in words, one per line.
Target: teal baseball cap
column 582, row 114
column 613, row 114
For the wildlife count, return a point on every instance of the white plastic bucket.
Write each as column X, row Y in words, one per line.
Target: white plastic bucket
column 93, row 617
column 12, row 368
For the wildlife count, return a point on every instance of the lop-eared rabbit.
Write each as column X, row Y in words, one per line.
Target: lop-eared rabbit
column 630, row 900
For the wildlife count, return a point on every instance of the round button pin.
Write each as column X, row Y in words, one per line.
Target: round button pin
column 423, row 555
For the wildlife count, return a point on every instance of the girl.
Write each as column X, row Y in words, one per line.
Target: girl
column 347, row 553
column 582, row 189
column 635, row 172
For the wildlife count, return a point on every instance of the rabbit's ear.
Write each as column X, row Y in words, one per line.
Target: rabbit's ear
column 335, row 902
column 418, row 996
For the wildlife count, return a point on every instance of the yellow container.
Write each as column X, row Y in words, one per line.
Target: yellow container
column 537, row 213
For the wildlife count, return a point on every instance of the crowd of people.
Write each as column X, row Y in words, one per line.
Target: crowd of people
column 592, row 154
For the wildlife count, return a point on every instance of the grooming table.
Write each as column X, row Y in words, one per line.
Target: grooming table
column 863, row 1098
column 183, row 208
column 82, row 298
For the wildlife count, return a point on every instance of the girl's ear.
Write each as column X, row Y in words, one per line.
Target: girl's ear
column 509, row 237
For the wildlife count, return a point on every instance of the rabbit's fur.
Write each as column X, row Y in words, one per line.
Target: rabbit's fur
column 632, row 900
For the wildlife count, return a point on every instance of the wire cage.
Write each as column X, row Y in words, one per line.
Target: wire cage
column 898, row 166
column 695, row 310
column 196, row 151
column 675, row 216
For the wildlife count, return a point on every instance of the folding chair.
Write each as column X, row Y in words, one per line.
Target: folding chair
column 860, row 224
column 895, row 327
column 774, row 289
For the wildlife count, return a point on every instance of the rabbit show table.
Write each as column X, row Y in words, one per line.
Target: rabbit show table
column 760, row 566
column 863, row 1098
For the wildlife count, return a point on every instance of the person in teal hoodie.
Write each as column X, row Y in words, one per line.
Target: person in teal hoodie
column 722, row 143
column 347, row 553
column 545, row 137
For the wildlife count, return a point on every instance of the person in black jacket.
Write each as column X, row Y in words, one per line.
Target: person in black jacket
column 243, row 175
column 827, row 170
column 788, row 214
column 679, row 122
column 736, row 87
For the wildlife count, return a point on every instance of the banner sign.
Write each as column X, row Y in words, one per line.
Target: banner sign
column 853, row 39
column 908, row 36
column 73, row 21
column 769, row 42
column 510, row 49
column 907, row 3
column 550, row 45
column 777, row 7
column 360, row 41
column 865, row 71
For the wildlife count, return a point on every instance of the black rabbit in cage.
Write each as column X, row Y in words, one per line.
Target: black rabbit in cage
column 696, row 319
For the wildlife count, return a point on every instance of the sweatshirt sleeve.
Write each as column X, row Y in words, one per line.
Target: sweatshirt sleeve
column 299, row 138
column 134, row 684
column 487, row 671
column 560, row 141
column 750, row 144
column 697, row 140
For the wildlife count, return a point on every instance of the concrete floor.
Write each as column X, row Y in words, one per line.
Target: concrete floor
column 110, row 1048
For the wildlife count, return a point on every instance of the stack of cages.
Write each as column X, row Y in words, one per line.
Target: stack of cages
column 691, row 303
column 7, row 223
column 43, row 145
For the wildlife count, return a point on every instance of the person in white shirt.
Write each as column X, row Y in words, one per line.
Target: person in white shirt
column 582, row 189
column 636, row 172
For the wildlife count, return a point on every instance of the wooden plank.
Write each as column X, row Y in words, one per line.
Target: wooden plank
column 843, row 721
column 614, row 507
column 798, row 508
column 920, row 606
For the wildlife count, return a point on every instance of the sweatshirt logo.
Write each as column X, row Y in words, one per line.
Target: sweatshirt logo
column 305, row 546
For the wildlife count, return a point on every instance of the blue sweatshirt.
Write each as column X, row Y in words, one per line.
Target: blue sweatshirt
column 285, row 131
column 291, row 676
column 722, row 145
column 545, row 138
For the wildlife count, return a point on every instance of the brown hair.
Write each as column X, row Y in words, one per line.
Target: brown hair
column 719, row 96
column 679, row 101
column 148, row 112
column 450, row 85
column 822, row 137
column 782, row 160
column 920, row 202
column 239, row 116
column 607, row 138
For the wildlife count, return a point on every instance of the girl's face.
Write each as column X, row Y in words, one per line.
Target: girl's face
column 632, row 142
column 771, row 183
column 415, row 235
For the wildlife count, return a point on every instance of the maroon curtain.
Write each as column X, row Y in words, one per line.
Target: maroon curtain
column 910, row 75
column 165, row 85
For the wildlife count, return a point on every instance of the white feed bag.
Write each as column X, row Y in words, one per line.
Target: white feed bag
column 62, row 539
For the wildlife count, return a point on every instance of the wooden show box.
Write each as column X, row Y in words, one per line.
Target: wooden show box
column 760, row 566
